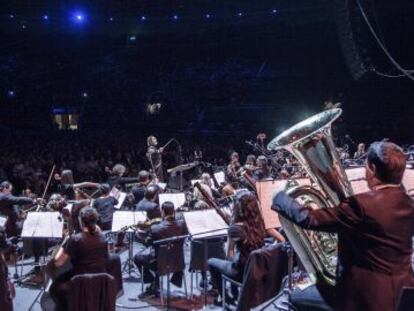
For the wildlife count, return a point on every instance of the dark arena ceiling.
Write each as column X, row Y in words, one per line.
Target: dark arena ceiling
column 213, row 65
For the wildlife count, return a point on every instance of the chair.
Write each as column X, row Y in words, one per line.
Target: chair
column 169, row 260
column 199, row 257
column 92, row 292
column 406, row 299
column 262, row 277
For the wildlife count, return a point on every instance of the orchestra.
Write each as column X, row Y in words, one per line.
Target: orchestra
column 87, row 211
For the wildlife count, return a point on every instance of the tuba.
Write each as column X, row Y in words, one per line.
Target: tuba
column 310, row 141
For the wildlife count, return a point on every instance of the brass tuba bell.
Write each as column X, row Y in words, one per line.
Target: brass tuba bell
column 310, row 141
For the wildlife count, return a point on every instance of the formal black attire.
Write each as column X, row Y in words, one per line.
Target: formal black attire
column 120, row 181
column 151, row 208
column 67, row 191
column 138, row 191
column 6, row 303
column 374, row 245
column 105, row 208
column 7, row 203
column 232, row 268
column 147, row 259
column 88, row 254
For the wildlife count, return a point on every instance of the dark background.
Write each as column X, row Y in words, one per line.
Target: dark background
column 224, row 75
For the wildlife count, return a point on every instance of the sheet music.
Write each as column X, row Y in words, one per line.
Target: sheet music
column 121, row 199
column 359, row 185
column 177, row 198
column 205, row 221
column 220, row 177
column 123, row 219
column 265, row 192
column 3, row 221
column 115, row 193
column 43, row 225
column 193, row 181
column 356, row 176
column 408, row 181
column 162, row 185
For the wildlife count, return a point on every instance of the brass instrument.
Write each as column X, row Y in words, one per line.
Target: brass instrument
column 211, row 202
column 310, row 141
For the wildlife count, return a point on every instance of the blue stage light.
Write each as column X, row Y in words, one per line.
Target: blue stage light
column 78, row 17
column 175, row 17
column 10, row 93
column 208, row 15
column 111, row 19
column 240, row 14
column 84, row 94
column 11, row 15
column 143, row 17
column 45, row 17
column 274, row 11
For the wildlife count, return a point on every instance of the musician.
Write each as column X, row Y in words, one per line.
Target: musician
column 154, row 156
column 105, row 206
column 86, row 250
column 360, row 151
column 7, row 203
column 167, row 228
column 262, row 171
column 149, row 203
column 138, row 190
column 374, row 233
column 117, row 179
column 7, row 292
column 206, row 184
column 232, row 172
column 247, row 233
column 67, row 187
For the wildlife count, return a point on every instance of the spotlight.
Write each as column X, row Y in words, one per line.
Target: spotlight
column 84, row 94
column 11, row 15
column 240, row 14
column 45, row 17
column 143, row 18
column 10, row 93
column 23, row 26
column 132, row 38
column 208, row 15
column 111, row 19
column 78, row 17
column 274, row 11
column 175, row 17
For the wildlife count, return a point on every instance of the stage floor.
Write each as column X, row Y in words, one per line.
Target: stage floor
column 132, row 288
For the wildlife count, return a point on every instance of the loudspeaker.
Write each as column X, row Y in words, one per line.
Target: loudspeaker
column 345, row 16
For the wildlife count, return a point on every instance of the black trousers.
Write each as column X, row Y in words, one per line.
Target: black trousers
column 217, row 267
column 145, row 261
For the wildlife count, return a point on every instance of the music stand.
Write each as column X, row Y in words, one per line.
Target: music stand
column 42, row 225
column 205, row 225
column 121, row 221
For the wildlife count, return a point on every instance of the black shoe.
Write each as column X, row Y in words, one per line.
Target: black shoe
column 149, row 292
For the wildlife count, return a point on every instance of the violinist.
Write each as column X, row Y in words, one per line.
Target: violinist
column 138, row 190
column 167, row 228
column 86, row 250
column 67, row 186
column 105, row 206
column 149, row 203
column 7, row 207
